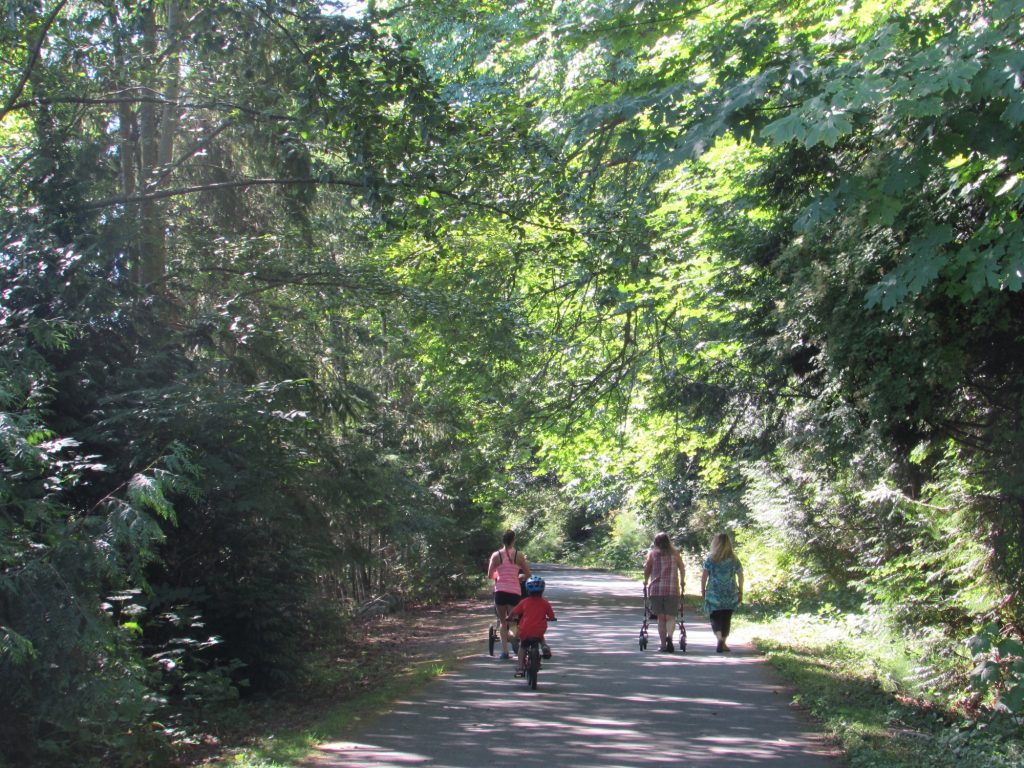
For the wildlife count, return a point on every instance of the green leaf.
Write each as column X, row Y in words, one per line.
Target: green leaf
column 1014, row 278
column 982, row 641
column 832, row 127
column 928, row 257
column 133, row 627
column 984, row 272
column 928, row 106
column 959, row 74
column 985, row 674
column 786, row 129
column 1013, row 699
column 1014, row 112
column 883, row 210
column 1010, row 647
column 816, row 213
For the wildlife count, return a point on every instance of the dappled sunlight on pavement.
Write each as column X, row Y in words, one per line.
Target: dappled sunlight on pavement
column 601, row 701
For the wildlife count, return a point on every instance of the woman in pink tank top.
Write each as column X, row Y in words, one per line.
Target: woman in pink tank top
column 509, row 569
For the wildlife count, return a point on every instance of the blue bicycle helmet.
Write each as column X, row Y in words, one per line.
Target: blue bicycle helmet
column 535, row 585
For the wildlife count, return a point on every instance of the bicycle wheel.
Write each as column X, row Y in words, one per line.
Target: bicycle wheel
column 532, row 665
column 492, row 638
column 643, row 640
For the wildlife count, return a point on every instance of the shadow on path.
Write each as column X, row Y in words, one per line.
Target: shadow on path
column 600, row 702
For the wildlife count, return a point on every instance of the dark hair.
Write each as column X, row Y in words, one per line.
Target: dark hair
column 662, row 542
column 509, row 537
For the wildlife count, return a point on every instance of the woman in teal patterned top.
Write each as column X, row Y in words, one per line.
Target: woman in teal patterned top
column 721, row 585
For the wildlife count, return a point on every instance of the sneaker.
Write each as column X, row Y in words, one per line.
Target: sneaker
column 504, row 657
column 515, row 645
column 545, row 651
column 669, row 648
column 520, row 672
column 720, row 648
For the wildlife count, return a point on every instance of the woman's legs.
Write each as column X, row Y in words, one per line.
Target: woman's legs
column 666, row 608
column 503, row 630
column 726, row 626
column 665, row 630
column 721, row 622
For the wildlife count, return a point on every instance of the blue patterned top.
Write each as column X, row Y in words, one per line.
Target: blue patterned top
column 722, row 591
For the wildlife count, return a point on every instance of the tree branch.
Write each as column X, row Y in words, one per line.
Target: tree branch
column 163, row 194
column 146, row 99
column 33, row 57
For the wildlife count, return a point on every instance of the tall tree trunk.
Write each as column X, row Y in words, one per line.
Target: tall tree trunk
column 171, row 113
column 152, row 251
column 126, row 127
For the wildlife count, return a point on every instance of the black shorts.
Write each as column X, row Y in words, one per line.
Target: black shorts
column 506, row 598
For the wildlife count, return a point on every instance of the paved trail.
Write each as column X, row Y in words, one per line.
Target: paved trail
column 600, row 702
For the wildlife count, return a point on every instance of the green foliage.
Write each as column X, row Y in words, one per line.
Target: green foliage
column 863, row 685
column 999, row 668
column 545, row 521
column 784, row 303
column 72, row 676
column 301, row 309
column 627, row 541
column 216, row 439
column 776, row 576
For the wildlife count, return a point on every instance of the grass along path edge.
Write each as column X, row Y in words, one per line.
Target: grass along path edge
column 861, row 687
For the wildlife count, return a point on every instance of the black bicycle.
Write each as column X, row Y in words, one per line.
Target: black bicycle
column 533, row 651
column 532, row 662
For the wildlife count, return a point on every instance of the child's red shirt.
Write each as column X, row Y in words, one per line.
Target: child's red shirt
column 535, row 612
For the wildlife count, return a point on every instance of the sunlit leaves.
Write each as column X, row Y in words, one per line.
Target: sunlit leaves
column 815, row 123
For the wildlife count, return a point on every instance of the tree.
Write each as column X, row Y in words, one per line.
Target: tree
column 793, row 235
column 210, row 357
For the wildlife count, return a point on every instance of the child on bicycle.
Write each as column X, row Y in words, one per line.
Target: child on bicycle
column 533, row 613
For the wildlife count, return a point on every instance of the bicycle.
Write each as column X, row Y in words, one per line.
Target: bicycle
column 532, row 662
column 533, row 650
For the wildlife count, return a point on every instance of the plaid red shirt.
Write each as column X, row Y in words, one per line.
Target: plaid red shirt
column 664, row 574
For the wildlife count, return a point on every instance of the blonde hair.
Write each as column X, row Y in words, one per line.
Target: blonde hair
column 721, row 548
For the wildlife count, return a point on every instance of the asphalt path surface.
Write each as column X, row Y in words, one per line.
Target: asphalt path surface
column 600, row 701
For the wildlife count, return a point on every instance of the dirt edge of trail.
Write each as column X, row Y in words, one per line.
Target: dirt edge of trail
column 444, row 633
column 398, row 645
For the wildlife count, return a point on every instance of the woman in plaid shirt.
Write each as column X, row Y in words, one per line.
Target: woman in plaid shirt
column 664, row 570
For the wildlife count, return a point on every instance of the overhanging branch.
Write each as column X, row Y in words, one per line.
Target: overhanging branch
column 163, row 194
column 33, row 57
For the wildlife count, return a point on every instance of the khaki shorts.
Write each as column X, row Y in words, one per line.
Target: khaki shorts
column 665, row 605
